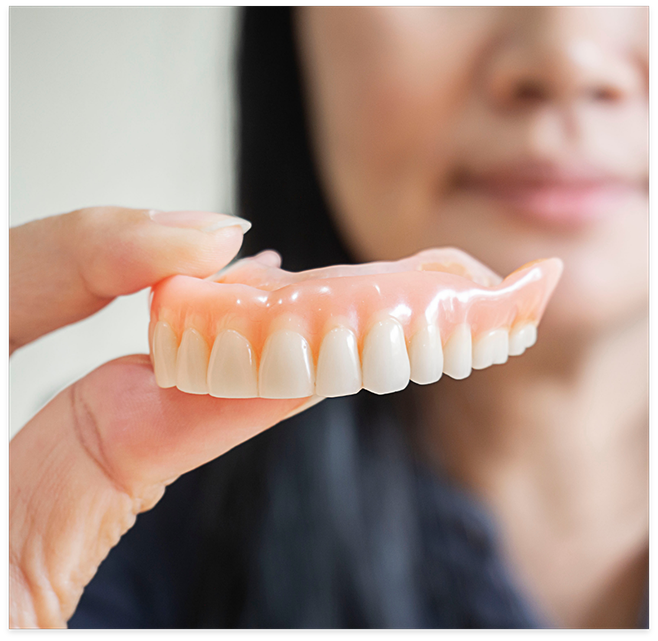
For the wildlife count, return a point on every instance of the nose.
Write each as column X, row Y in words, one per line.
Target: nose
column 563, row 55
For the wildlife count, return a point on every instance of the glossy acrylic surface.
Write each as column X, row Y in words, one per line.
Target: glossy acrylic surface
column 439, row 288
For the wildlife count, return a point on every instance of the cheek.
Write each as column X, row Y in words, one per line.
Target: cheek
column 382, row 130
column 386, row 160
column 606, row 269
column 607, row 280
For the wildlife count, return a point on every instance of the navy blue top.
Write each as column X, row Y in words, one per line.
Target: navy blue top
column 315, row 548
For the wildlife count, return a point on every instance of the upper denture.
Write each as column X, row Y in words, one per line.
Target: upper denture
column 283, row 319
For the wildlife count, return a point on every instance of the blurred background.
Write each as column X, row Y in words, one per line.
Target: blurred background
column 113, row 106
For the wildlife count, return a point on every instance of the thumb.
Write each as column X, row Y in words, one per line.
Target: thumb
column 64, row 268
column 144, row 435
column 99, row 453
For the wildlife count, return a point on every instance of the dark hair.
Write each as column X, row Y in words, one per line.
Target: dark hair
column 327, row 520
column 278, row 186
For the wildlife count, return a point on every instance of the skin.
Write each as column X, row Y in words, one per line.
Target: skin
column 104, row 449
column 555, row 443
column 401, row 102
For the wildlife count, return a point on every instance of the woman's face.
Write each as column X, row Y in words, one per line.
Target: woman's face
column 511, row 133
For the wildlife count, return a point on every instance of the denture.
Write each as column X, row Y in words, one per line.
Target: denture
column 254, row 330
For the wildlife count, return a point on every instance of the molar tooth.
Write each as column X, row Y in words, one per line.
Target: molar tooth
column 232, row 369
column 426, row 355
column 192, row 363
column 286, row 367
column 339, row 369
column 522, row 336
column 491, row 348
column 457, row 353
column 386, row 365
column 165, row 348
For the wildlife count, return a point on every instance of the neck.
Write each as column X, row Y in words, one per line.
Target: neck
column 556, row 443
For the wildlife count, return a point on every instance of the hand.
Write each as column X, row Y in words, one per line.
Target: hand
column 106, row 447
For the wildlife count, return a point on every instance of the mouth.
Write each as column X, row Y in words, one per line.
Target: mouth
column 558, row 195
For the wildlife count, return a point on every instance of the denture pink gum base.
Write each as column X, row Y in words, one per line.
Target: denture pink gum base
column 258, row 331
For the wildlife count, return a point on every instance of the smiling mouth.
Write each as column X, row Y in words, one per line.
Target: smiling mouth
column 555, row 195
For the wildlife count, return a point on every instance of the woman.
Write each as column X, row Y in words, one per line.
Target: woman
column 514, row 498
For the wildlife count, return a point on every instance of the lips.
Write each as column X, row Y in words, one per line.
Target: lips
column 559, row 195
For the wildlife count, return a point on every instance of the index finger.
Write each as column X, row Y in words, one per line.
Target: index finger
column 64, row 268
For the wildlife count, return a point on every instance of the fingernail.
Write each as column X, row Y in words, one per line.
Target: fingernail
column 269, row 258
column 202, row 220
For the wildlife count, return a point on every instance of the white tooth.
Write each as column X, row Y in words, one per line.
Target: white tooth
column 457, row 353
column 232, row 371
column 192, row 363
column 501, row 346
column 165, row 348
column 386, row 366
column 339, row 369
column 529, row 335
column 286, row 367
column 426, row 355
column 490, row 348
column 522, row 335
column 483, row 351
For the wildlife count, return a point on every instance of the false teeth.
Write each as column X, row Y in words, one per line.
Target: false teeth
column 339, row 369
column 283, row 320
column 426, row 355
column 232, row 371
column 386, row 365
column 286, row 367
column 457, row 353
column 192, row 363
column 491, row 348
column 521, row 337
column 287, row 371
column 165, row 348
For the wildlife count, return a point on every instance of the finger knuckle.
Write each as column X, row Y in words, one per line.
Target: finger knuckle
column 87, row 430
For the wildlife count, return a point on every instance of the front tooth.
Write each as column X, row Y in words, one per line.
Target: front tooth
column 457, row 353
column 232, row 371
column 386, row 365
column 286, row 367
column 165, row 348
column 491, row 348
column 522, row 336
column 339, row 369
column 426, row 355
column 192, row 363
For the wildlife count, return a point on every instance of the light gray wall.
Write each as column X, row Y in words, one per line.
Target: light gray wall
column 113, row 106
